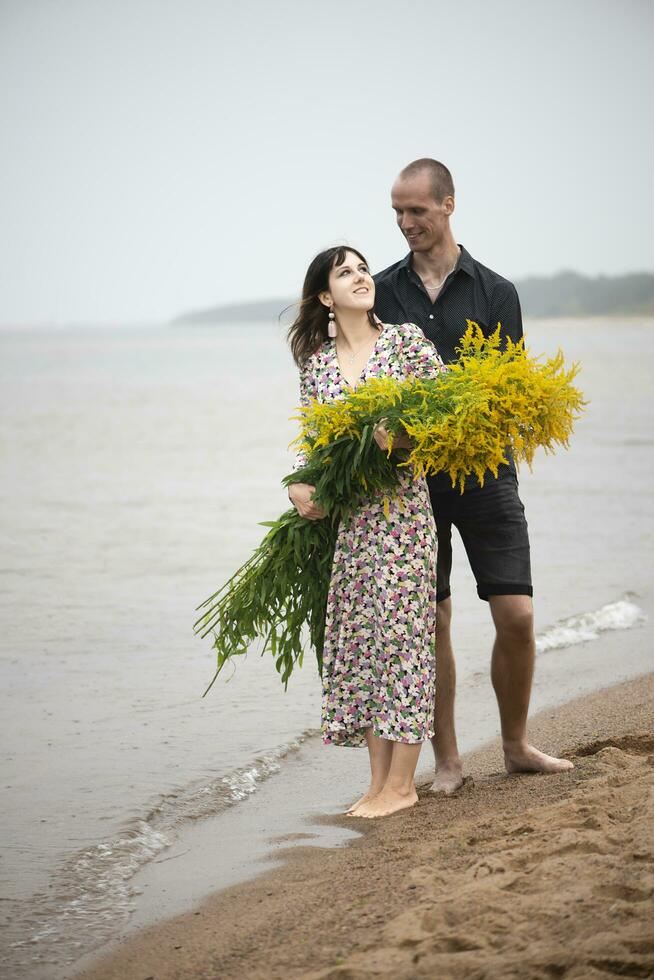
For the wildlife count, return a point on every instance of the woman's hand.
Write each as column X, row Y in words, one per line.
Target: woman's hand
column 301, row 496
column 381, row 434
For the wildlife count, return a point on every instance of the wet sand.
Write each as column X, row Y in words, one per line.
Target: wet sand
column 516, row 877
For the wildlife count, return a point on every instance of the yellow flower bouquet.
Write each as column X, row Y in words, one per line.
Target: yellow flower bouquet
column 495, row 399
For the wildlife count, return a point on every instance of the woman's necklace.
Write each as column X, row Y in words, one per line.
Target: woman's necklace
column 350, row 357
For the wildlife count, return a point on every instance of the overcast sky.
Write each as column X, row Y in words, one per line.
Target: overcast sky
column 166, row 155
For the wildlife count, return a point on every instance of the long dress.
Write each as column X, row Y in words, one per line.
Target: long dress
column 378, row 658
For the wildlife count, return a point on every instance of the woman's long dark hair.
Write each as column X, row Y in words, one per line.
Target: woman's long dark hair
column 309, row 329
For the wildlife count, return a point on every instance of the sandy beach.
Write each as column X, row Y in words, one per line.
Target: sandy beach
column 522, row 876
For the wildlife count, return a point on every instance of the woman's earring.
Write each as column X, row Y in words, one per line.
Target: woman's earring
column 331, row 327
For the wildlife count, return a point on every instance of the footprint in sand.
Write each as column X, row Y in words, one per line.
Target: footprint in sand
column 639, row 744
column 626, row 893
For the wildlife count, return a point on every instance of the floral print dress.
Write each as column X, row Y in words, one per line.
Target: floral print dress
column 378, row 659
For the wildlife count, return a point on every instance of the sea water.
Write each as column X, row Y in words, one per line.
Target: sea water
column 136, row 465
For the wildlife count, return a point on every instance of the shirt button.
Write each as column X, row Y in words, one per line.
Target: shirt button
column 431, row 316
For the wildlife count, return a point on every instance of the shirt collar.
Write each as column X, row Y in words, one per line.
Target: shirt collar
column 465, row 262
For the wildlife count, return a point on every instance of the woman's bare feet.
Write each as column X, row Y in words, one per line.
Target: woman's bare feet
column 363, row 799
column 386, row 802
column 525, row 758
column 449, row 779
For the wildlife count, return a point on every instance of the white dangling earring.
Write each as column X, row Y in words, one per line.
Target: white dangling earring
column 331, row 327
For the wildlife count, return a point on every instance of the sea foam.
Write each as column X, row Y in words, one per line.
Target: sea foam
column 621, row 615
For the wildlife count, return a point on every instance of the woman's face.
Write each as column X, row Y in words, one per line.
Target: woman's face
column 351, row 286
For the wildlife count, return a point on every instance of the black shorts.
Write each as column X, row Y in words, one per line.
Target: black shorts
column 491, row 522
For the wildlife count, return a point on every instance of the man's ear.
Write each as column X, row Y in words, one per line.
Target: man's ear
column 448, row 205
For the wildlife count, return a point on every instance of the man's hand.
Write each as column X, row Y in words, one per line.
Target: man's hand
column 301, row 496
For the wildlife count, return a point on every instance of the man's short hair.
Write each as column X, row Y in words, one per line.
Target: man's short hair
column 440, row 177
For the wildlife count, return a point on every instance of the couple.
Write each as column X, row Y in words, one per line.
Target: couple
column 389, row 672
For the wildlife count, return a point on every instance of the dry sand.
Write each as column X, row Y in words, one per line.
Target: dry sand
column 516, row 877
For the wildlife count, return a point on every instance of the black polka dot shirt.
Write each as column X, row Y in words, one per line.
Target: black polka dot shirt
column 470, row 292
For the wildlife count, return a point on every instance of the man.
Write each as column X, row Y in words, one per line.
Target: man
column 439, row 286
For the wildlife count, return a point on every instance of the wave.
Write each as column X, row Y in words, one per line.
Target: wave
column 621, row 615
column 209, row 796
column 91, row 896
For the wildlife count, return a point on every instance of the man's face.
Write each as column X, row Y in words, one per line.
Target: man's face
column 422, row 220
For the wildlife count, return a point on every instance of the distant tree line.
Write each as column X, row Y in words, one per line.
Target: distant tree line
column 565, row 294
column 569, row 294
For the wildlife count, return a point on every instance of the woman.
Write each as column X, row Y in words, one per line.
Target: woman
column 378, row 660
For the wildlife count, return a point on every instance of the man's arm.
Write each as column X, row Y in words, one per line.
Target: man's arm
column 505, row 309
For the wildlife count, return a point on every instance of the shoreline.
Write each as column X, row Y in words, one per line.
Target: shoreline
column 302, row 801
column 470, row 871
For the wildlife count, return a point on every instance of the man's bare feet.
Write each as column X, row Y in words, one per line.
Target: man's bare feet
column 525, row 758
column 449, row 779
column 387, row 802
